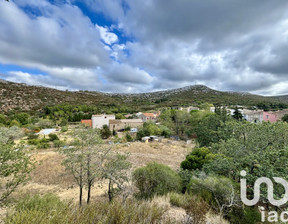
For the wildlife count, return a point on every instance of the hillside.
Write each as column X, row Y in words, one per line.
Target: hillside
column 198, row 94
column 22, row 97
column 26, row 98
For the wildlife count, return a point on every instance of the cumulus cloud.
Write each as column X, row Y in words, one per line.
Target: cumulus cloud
column 107, row 36
column 151, row 45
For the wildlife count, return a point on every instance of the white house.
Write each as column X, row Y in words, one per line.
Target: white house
column 99, row 120
column 145, row 117
column 253, row 116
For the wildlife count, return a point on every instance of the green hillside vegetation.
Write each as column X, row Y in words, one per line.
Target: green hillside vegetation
column 33, row 99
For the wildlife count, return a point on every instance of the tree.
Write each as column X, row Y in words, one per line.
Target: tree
column 45, row 123
column 237, row 114
column 81, row 159
column 115, row 169
column 182, row 123
column 8, row 135
column 23, row 118
column 197, row 158
column 90, row 159
column 156, row 179
column 259, row 149
column 120, row 116
column 105, row 132
column 15, row 164
column 209, row 129
column 285, row 118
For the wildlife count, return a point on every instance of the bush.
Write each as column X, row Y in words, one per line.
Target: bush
column 32, row 136
column 53, row 137
column 43, row 145
column 49, row 209
column 58, row 143
column 285, row 118
column 196, row 209
column 64, row 129
column 197, row 158
column 129, row 138
column 185, row 176
column 128, row 128
column 105, row 132
column 156, row 179
column 220, row 192
column 39, row 209
column 248, row 215
column 166, row 132
column 44, row 203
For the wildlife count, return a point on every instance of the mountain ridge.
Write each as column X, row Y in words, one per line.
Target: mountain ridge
column 23, row 97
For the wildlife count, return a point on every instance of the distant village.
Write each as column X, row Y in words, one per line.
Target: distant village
column 135, row 121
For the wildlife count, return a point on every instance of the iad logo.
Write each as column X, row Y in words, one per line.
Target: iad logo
column 272, row 215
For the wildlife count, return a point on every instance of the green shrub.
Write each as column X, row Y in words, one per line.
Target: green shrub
column 129, row 138
column 217, row 191
column 58, row 143
column 156, row 179
column 180, row 200
column 185, row 176
column 248, row 215
column 44, row 203
column 105, row 132
column 197, row 158
column 53, row 137
column 32, row 136
column 45, row 209
column 49, row 209
column 64, row 129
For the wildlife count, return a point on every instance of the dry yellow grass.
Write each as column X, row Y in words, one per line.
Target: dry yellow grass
column 50, row 176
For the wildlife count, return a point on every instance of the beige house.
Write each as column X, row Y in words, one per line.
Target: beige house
column 121, row 124
column 99, row 120
column 145, row 117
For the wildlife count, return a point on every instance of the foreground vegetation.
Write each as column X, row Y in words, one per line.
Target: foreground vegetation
column 206, row 181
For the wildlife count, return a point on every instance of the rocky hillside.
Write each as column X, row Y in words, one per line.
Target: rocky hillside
column 22, row 97
column 26, row 98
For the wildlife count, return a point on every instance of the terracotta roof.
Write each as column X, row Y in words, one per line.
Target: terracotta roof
column 149, row 114
column 87, row 122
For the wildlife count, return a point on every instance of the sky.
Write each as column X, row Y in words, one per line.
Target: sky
column 133, row 46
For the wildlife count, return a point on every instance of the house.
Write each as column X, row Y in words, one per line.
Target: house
column 87, row 122
column 99, row 120
column 269, row 116
column 280, row 113
column 121, row 124
column 253, row 116
column 188, row 109
column 145, row 117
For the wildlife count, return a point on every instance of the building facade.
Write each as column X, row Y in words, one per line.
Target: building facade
column 121, row 124
column 103, row 119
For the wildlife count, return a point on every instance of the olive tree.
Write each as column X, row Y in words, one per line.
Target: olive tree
column 89, row 159
column 15, row 163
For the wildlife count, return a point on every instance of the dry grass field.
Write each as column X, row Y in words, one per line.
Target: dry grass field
column 50, row 176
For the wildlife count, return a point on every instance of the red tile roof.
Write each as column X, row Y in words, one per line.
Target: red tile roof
column 87, row 122
column 149, row 114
